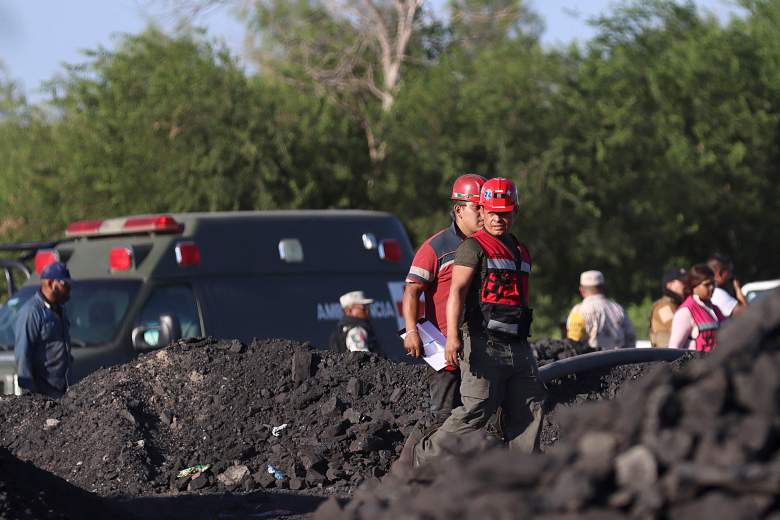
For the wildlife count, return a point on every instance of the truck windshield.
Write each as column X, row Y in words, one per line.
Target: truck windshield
column 96, row 310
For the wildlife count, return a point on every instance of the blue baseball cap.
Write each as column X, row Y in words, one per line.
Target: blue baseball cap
column 55, row 271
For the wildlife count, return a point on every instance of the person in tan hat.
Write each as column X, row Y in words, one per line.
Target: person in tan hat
column 598, row 320
column 354, row 332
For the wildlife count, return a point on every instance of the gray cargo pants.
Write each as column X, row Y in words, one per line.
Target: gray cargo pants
column 493, row 374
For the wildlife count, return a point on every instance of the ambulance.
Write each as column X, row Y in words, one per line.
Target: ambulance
column 141, row 282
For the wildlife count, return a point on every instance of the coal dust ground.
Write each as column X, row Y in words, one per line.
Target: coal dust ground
column 325, row 423
column 697, row 439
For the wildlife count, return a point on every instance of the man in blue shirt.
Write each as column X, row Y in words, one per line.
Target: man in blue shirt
column 42, row 348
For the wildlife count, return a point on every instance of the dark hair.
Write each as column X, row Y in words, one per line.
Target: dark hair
column 696, row 275
column 723, row 261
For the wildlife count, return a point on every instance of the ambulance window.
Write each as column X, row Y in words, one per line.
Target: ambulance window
column 291, row 250
column 172, row 299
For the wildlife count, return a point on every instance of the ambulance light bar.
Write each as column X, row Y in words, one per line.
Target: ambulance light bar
column 124, row 226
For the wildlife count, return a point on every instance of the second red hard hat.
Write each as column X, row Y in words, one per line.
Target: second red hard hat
column 467, row 187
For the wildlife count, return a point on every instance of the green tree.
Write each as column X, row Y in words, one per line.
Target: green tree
column 167, row 124
column 667, row 149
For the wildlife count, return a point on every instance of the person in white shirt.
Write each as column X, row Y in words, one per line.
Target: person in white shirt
column 723, row 269
column 598, row 320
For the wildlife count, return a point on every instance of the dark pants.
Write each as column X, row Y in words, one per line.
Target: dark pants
column 494, row 375
column 444, row 393
column 444, row 389
column 42, row 387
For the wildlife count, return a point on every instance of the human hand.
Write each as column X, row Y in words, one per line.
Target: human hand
column 413, row 343
column 452, row 349
column 738, row 291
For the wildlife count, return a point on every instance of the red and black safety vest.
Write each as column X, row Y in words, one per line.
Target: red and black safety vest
column 503, row 296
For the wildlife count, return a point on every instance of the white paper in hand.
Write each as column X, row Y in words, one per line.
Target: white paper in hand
column 433, row 342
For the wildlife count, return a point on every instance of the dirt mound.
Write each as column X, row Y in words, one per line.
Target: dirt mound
column 320, row 419
column 27, row 492
column 595, row 385
column 229, row 411
column 698, row 442
column 131, row 429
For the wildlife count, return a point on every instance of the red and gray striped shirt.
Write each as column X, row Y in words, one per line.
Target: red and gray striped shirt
column 432, row 267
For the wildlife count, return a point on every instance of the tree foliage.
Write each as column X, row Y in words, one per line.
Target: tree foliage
column 653, row 145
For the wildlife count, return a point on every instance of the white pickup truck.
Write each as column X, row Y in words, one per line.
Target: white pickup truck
column 757, row 290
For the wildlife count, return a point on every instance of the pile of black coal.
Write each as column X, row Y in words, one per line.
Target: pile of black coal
column 701, row 442
column 578, row 389
column 220, row 415
column 210, row 415
column 549, row 350
column 27, row 492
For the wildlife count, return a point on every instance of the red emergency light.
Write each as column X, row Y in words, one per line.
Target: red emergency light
column 124, row 226
column 121, row 258
column 83, row 228
column 45, row 257
column 187, row 254
column 390, row 250
column 159, row 223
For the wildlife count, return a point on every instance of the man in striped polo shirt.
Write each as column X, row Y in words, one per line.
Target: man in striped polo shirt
column 430, row 274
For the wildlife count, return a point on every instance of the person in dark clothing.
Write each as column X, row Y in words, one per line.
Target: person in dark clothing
column 42, row 336
column 662, row 314
column 354, row 332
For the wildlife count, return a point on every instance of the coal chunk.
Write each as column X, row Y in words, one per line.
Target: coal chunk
column 302, row 368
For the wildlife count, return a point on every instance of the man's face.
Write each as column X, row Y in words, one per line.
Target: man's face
column 468, row 217
column 497, row 223
column 59, row 290
column 722, row 273
column 676, row 286
column 362, row 312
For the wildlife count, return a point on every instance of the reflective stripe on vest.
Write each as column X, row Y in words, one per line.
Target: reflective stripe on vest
column 500, row 326
column 500, row 263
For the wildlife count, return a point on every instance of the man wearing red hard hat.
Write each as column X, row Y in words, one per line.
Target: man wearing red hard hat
column 488, row 322
column 430, row 274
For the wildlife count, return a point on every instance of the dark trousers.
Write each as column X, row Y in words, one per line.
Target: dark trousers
column 494, row 375
column 42, row 387
column 444, row 390
column 444, row 393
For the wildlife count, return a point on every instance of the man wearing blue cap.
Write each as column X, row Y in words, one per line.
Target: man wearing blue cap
column 42, row 333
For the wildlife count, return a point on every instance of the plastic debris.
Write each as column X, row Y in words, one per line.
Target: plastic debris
column 193, row 470
column 276, row 431
column 50, row 424
column 276, row 472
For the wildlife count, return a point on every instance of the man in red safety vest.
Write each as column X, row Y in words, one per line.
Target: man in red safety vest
column 489, row 290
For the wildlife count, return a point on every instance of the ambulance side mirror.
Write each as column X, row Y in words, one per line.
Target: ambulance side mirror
column 153, row 337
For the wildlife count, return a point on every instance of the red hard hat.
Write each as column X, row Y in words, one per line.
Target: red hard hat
column 467, row 187
column 498, row 195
